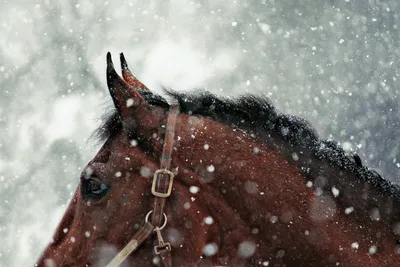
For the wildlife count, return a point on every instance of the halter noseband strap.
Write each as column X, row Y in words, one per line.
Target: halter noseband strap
column 161, row 189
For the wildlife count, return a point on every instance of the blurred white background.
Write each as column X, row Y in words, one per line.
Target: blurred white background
column 334, row 62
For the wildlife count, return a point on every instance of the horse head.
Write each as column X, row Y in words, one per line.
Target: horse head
column 251, row 187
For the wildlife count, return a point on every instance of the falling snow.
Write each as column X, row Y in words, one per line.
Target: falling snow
column 338, row 71
column 194, row 189
column 145, row 171
column 186, row 206
column 210, row 249
column 134, row 143
column 208, row 220
column 372, row 250
column 246, row 249
column 210, row 168
column 129, row 102
column 348, row 210
column 335, row 192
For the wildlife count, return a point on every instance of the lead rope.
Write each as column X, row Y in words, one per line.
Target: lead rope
column 161, row 189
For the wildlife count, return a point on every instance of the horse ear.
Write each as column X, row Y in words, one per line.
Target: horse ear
column 128, row 76
column 124, row 96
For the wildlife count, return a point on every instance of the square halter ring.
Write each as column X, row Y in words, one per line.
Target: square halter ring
column 156, row 180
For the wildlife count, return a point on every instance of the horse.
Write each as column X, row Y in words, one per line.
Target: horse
column 203, row 180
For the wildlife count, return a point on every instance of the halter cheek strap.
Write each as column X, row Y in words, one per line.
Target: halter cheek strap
column 161, row 189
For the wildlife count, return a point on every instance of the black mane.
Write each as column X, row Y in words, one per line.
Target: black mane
column 257, row 116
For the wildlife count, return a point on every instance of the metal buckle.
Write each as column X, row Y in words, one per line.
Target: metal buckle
column 159, row 249
column 171, row 181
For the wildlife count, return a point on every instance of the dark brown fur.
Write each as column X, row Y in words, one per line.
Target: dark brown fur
column 257, row 195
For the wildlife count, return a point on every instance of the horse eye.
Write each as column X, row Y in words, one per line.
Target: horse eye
column 93, row 188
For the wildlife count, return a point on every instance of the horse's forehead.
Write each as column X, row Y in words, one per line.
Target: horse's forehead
column 118, row 146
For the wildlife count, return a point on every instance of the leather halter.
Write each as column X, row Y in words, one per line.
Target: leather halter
column 161, row 189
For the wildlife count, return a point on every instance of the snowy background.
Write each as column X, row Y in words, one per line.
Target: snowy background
column 334, row 62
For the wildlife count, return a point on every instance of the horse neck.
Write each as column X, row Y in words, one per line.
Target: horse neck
column 253, row 184
column 352, row 192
